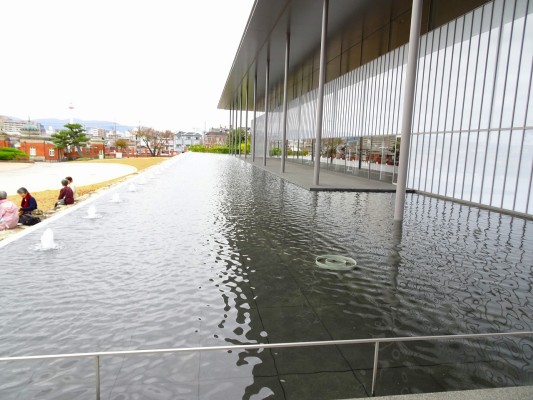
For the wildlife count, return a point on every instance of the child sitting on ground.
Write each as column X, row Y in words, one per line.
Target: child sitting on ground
column 73, row 187
column 66, row 196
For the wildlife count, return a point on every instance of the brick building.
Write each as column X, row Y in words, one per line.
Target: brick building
column 216, row 138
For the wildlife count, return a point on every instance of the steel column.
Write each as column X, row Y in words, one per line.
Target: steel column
column 285, row 101
column 320, row 96
column 255, row 115
column 246, row 117
column 235, row 130
column 266, row 111
column 240, row 120
column 407, row 114
column 229, row 136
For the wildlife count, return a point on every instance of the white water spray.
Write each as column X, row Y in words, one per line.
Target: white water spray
column 91, row 212
column 47, row 240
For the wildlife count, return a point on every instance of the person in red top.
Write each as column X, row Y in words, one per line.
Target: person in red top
column 66, row 196
column 28, row 203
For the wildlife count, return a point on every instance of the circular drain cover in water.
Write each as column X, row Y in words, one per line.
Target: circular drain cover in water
column 335, row 263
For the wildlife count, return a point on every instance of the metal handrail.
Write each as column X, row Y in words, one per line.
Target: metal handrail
column 376, row 342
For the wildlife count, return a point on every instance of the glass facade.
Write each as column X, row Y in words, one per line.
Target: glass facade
column 472, row 124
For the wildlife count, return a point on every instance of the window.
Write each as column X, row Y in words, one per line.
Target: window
column 33, row 151
column 51, row 152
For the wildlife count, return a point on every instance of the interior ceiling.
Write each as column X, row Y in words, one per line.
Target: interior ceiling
column 265, row 34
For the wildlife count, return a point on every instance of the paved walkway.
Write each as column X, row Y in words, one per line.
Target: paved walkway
column 302, row 175
column 511, row 393
column 44, row 176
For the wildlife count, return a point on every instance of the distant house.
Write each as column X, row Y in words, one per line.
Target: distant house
column 216, row 137
column 96, row 132
column 183, row 140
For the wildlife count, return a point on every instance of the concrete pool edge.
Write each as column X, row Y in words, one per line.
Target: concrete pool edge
column 507, row 393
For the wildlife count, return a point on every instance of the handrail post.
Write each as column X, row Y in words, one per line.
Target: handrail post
column 376, row 342
column 375, row 371
column 97, row 358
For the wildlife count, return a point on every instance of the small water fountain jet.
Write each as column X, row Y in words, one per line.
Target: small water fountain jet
column 115, row 198
column 91, row 213
column 47, row 240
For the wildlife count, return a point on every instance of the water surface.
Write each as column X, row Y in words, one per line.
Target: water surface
column 208, row 250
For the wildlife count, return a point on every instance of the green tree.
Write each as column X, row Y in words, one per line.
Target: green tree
column 77, row 135
column 61, row 140
column 74, row 135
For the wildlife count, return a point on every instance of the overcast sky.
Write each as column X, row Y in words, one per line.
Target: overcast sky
column 159, row 63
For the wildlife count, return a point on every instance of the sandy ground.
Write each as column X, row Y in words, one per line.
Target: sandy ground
column 41, row 176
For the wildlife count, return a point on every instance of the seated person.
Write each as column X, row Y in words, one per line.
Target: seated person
column 9, row 212
column 28, row 203
column 66, row 196
column 73, row 187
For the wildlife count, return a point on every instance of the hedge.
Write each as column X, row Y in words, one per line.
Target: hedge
column 9, row 154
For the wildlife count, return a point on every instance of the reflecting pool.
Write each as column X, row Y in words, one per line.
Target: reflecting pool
column 208, row 250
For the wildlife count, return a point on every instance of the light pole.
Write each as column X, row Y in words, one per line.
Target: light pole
column 71, row 108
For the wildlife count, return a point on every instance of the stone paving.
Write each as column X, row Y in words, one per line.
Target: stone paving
column 302, row 175
column 510, row 393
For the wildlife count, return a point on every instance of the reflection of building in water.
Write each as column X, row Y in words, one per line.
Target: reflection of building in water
column 472, row 135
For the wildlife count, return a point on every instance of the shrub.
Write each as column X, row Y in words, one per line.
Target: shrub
column 10, row 154
column 199, row 148
column 297, row 153
column 276, row 151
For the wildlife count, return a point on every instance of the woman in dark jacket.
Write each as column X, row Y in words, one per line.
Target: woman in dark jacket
column 28, row 203
column 66, row 196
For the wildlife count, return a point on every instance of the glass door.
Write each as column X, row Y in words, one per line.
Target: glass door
column 396, row 159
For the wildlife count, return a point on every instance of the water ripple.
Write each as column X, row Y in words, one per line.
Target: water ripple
column 229, row 257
